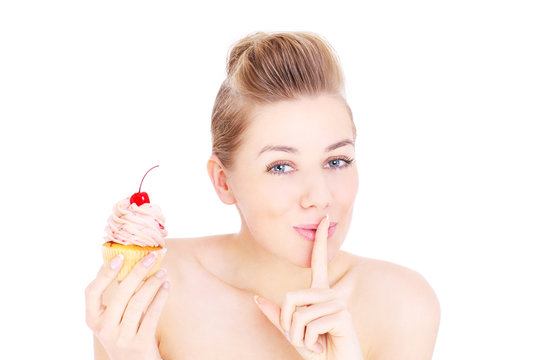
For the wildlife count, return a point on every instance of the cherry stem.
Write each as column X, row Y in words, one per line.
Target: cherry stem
column 145, row 176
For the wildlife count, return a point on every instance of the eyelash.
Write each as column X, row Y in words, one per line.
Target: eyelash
column 269, row 167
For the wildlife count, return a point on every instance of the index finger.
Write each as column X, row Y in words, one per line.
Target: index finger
column 319, row 257
column 94, row 291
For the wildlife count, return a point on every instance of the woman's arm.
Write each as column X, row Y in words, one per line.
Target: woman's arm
column 99, row 351
column 410, row 320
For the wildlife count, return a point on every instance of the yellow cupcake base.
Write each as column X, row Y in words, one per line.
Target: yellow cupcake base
column 132, row 255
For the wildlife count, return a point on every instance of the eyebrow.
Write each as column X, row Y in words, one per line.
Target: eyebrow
column 295, row 151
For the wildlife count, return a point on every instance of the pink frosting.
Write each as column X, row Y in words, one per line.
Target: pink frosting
column 131, row 224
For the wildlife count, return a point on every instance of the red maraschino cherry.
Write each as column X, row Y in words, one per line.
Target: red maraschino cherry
column 140, row 198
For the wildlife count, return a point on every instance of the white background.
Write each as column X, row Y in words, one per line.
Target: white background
column 446, row 102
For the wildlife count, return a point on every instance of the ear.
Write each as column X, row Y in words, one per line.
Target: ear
column 219, row 179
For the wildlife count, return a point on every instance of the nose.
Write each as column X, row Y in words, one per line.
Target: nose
column 316, row 192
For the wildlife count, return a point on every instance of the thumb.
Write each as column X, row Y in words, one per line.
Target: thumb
column 270, row 310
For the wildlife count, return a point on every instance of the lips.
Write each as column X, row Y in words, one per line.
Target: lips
column 307, row 231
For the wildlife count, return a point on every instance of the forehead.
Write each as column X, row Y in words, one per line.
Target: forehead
column 302, row 123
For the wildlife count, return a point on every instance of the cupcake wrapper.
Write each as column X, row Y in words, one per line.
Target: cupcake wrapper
column 131, row 258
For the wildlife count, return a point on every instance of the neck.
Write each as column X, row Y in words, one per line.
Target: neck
column 256, row 270
column 264, row 273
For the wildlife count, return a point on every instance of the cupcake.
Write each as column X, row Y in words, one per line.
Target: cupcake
column 135, row 229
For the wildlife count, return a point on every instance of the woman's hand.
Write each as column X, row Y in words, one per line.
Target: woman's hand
column 126, row 324
column 316, row 320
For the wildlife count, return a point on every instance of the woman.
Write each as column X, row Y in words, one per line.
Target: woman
column 283, row 154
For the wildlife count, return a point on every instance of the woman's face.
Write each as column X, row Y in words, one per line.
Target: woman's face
column 295, row 165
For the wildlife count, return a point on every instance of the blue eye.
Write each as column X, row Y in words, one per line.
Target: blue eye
column 278, row 168
column 339, row 163
column 335, row 162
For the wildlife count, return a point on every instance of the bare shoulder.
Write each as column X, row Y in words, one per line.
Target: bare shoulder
column 399, row 307
column 177, row 244
column 183, row 272
column 182, row 251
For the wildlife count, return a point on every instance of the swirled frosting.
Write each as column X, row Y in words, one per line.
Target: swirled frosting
column 131, row 224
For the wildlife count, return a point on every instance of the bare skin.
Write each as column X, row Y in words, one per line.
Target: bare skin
column 294, row 167
column 211, row 314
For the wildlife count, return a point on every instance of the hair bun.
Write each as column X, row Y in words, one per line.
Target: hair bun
column 269, row 66
column 239, row 48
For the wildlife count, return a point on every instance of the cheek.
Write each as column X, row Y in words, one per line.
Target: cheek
column 278, row 193
column 345, row 189
column 344, row 196
column 264, row 199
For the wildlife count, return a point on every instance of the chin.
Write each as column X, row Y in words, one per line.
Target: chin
column 303, row 259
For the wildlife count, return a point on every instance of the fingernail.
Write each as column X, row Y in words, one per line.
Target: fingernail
column 287, row 335
column 160, row 274
column 256, row 299
column 149, row 259
column 116, row 262
column 165, row 285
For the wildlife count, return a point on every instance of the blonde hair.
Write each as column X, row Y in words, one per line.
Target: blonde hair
column 269, row 67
